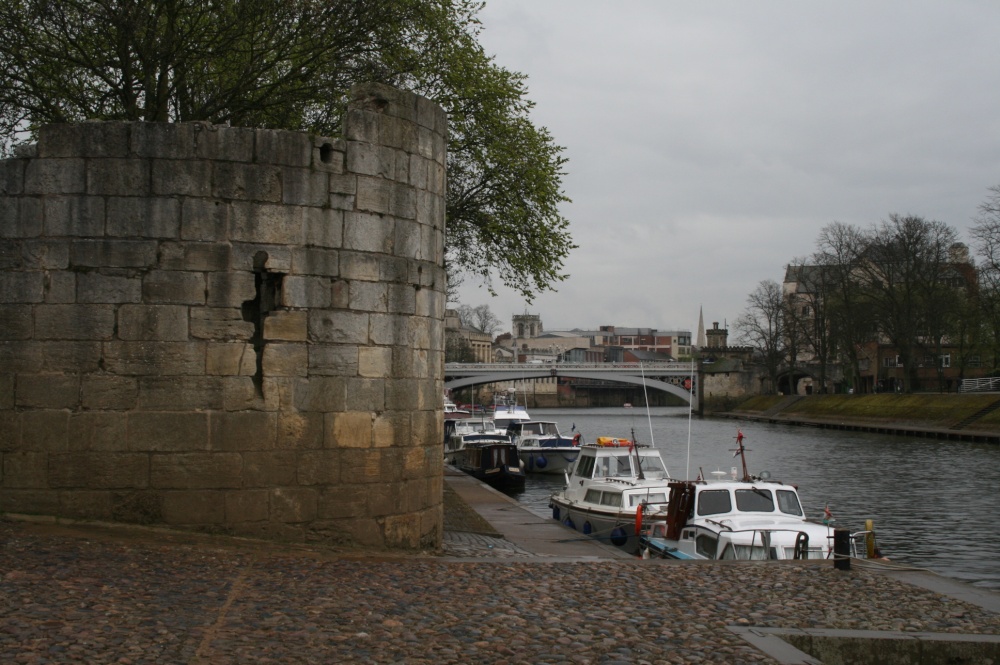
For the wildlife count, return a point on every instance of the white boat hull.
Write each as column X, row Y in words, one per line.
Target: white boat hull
column 554, row 460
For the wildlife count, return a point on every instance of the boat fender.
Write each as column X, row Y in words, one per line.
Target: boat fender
column 541, row 462
column 569, row 522
column 618, row 536
column 576, row 439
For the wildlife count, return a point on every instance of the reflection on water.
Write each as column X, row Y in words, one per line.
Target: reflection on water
column 932, row 501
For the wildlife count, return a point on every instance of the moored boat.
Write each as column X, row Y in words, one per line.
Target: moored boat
column 507, row 411
column 606, row 486
column 751, row 518
column 494, row 462
column 542, row 448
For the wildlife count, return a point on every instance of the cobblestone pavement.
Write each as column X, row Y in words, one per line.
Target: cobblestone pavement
column 72, row 595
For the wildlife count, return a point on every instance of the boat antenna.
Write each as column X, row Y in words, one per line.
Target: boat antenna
column 742, row 451
column 687, row 468
column 645, row 396
column 634, row 447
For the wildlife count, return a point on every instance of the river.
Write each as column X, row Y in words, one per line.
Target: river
column 929, row 499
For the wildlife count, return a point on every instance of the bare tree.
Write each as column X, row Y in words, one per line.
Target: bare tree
column 480, row 318
column 762, row 326
column 986, row 237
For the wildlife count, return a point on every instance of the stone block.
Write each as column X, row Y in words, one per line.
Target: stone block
column 266, row 223
column 402, row 299
column 98, row 470
column 113, row 253
column 333, row 360
column 390, row 329
column 168, row 432
column 224, row 143
column 375, row 195
column 368, row 296
column 349, row 429
column 207, row 257
column 323, row 227
column 102, row 287
column 271, row 258
column 360, row 466
column 6, row 400
column 375, row 362
column 246, row 182
column 365, row 394
column 201, row 507
column 357, row 265
column 182, row 178
column 17, row 322
column 328, row 154
column 240, row 394
column 315, row 261
column 368, row 233
column 324, row 394
column 153, row 322
column 24, row 470
column 299, row 431
column 196, row 471
column 147, row 358
column 91, row 139
column 84, row 322
column 367, row 159
column 407, row 239
column 230, row 289
column 50, row 356
column 173, row 287
column 391, row 429
column 12, row 176
column 383, row 500
column 243, row 431
column 139, row 507
column 293, row 505
column 74, row 215
column 48, row 391
column 180, row 393
column 118, row 177
column 106, row 391
column 402, row 394
column 20, row 217
column 340, row 294
column 132, row 217
column 318, row 467
column 22, row 287
column 283, row 147
column 85, row 504
column 286, row 325
column 98, row 431
column 45, row 254
column 338, row 327
column 55, row 176
column 29, row 501
column 342, row 501
column 204, row 220
column 305, row 187
column 246, row 506
column 221, row 324
column 230, row 359
column 269, row 468
column 394, row 270
column 162, row 140
column 45, row 430
column 60, row 289
column 285, row 360
column 306, row 292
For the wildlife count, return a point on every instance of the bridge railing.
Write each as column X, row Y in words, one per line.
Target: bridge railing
column 540, row 367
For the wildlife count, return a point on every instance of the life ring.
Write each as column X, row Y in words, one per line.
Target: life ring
column 576, row 439
column 638, row 519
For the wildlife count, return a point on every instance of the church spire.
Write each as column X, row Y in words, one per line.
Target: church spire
column 702, row 341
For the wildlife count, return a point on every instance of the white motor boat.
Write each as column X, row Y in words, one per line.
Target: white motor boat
column 753, row 518
column 507, row 411
column 542, row 448
column 472, row 430
column 608, row 482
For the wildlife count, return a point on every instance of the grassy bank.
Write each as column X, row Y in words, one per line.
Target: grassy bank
column 924, row 410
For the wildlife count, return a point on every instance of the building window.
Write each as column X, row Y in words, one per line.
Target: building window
column 806, row 310
column 892, row 361
column 945, row 360
column 975, row 361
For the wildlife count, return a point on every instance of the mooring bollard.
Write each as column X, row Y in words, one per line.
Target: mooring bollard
column 841, row 549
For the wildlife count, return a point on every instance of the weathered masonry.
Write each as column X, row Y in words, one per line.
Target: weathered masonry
column 228, row 329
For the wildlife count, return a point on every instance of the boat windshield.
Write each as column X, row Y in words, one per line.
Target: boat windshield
column 652, row 467
column 714, row 502
column 755, row 500
column 788, row 502
column 618, row 466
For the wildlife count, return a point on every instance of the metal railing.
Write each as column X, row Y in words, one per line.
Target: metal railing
column 990, row 384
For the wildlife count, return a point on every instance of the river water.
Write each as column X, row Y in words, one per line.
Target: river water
column 931, row 501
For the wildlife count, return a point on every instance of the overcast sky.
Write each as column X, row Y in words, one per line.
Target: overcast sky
column 710, row 142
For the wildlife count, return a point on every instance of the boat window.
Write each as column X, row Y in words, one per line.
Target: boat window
column 788, row 502
column 611, row 499
column 706, row 545
column 714, row 502
column 811, row 553
column 649, row 497
column 593, row 496
column 749, row 553
column 601, row 467
column 652, row 467
column 754, row 500
column 622, row 467
column 585, row 467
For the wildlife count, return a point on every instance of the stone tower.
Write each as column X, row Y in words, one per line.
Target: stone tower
column 526, row 325
column 229, row 329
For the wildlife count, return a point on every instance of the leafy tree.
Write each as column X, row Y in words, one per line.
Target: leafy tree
column 480, row 318
column 288, row 64
column 762, row 326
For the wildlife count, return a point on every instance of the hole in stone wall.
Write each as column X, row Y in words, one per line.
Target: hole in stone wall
column 267, row 289
column 326, row 153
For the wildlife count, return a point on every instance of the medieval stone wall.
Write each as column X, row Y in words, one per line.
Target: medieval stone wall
column 228, row 329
